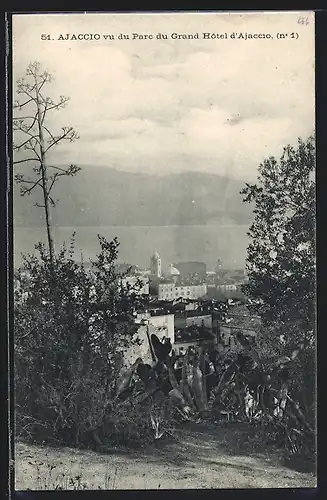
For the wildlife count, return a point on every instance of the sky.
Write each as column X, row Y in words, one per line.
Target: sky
column 164, row 106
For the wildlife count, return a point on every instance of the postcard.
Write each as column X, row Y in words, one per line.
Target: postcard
column 163, row 178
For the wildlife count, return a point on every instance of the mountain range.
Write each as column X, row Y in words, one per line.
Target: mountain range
column 102, row 196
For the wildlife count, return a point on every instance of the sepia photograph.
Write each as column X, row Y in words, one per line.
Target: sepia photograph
column 164, row 259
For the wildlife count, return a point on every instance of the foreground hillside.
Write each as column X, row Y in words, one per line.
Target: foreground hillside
column 198, row 457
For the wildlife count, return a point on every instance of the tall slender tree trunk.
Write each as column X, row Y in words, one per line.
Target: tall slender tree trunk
column 48, row 220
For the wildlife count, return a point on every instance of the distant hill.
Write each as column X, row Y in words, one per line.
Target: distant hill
column 102, row 196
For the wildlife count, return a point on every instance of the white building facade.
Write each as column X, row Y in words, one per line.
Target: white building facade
column 161, row 325
column 169, row 291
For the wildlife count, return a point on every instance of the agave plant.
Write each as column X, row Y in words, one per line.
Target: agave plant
column 240, row 384
column 125, row 380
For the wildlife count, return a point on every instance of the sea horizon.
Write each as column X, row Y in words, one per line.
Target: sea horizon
column 205, row 243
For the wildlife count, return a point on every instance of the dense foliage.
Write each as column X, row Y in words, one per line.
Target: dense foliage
column 70, row 336
column 281, row 262
column 281, row 254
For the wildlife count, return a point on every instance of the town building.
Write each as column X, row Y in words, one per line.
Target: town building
column 219, row 267
column 193, row 337
column 211, row 273
column 173, row 271
column 192, row 305
column 239, row 320
column 155, row 265
column 189, row 268
column 193, row 318
column 198, row 319
column 170, row 291
column 162, row 325
column 230, row 287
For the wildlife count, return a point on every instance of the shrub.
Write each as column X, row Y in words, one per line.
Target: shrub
column 71, row 329
column 280, row 340
column 130, row 424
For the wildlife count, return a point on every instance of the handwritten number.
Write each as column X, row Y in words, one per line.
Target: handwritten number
column 303, row 20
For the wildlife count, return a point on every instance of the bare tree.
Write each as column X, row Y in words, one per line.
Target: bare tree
column 35, row 140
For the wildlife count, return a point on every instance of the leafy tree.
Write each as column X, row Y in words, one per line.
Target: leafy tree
column 70, row 338
column 281, row 253
column 34, row 137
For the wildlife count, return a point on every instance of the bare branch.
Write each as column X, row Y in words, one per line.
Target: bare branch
column 18, row 126
column 53, row 180
column 61, row 104
column 70, row 171
column 73, row 170
column 23, row 118
column 23, row 90
column 33, row 147
column 37, row 169
column 18, row 147
column 25, row 160
column 50, row 133
column 20, row 105
column 53, row 203
column 41, row 85
column 44, row 112
column 49, row 104
column 33, row 122
column 20, row 180
column 58, row 168
column 34, row 70
column 21, row 126
column 68, row 134
column 58, row 139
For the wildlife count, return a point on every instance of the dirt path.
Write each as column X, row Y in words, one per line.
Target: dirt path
column 199, row 458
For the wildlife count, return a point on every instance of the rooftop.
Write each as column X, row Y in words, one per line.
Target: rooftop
column 239, row 317
column 194, row 314
column 193, row 333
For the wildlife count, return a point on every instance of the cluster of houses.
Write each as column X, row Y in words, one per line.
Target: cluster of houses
column 188, row 280
column 191, row 323
column 190, row 307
